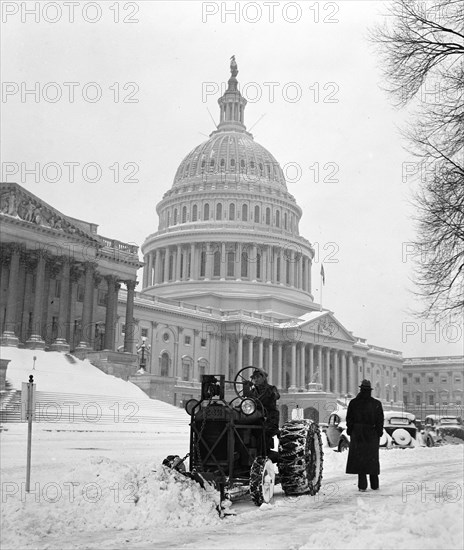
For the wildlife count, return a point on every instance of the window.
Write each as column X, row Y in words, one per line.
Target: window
column 416, row 380
column 431, row 399
column 219, row 211
column 206, row 212
column 244, row 212
column 194, row 213
column 443, row 379
column 232, row 163
column 285, row 220
column 232, row 211
column 202, row 264
column 256, row 214
column 144, row 333
column 405, row 380
column 184, row 214
column 217, row 264
column 203, row 342
column 164, row 364
column 457, row 379
column 102, row 297
column 166, row 337
column 418, row 399
column 278, row 270
column 80, row 293
column 174, row 217
column 268, row 216
column 57, row 288
column 230, row 264
column 394, row 374
column 277, row 218
column 430, row 379
column 244, row 266
column 186, row 367
column 187, row 340
column 123, row 329
column 171, row 268
column 258, row 266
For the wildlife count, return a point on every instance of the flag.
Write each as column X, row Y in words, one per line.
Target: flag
column 322, row 274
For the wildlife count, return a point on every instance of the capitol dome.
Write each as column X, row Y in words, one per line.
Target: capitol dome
column 228, row 227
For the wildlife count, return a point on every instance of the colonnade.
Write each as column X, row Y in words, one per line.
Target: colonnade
column 42, row 292
column 232, row 261
column 294, row 365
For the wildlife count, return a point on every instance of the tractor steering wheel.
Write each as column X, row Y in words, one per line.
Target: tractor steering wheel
column 240, row 380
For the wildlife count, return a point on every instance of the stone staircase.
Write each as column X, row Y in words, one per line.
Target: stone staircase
column 95, row 410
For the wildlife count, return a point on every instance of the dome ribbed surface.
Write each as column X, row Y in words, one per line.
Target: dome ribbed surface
column 230, row 153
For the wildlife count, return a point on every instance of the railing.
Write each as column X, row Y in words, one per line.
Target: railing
column 131, row 249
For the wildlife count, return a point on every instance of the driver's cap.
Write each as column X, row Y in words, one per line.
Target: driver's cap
column 259, row 372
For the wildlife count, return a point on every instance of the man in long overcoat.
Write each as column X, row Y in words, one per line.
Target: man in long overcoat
column 364, row 425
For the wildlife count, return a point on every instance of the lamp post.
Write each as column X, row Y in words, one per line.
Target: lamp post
column 143, row 361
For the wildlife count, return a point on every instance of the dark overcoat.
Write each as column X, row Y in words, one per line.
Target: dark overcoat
column 268, row 395
column 364, row 425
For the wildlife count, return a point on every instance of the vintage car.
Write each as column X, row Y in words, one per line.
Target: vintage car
column 399, row 430
column 401, row 427
column 440, row 430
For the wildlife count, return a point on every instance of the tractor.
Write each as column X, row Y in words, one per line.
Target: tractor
column 230, row 447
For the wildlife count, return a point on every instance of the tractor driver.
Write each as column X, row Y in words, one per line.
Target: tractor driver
column 268, row 396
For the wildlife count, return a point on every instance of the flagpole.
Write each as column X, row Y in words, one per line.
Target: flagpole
column 320, row 292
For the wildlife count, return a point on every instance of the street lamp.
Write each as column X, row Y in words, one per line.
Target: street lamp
column 143, row 361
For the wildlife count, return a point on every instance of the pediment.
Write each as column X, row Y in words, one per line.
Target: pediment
column 19, row 204
column 323, row 324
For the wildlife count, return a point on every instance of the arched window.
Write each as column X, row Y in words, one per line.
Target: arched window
column 182, row 263
column 244, row 266
column 232, row 211
column 232, row 163
column 184, row 214
column 194, row 213
column 202, row 263
column 260, row 169
column 287, row 271
column 277, row 218
column 174, row 217
column 258, row 266
column 163, row 263
column 189, row 263
column 211, row 164
column 278, row 269
column 168, row 219
column 242, row 165
column 203, row 162
column 217, row 264
column 244, row 212
column 187, row 169
column 223, row 164
column 230, row 264
column 256, row 214
column 164, row 363
column 285, row 220
column 206, row 212
column 202, row 367
column 186, row 367
column 268, row 216
column 219, row 211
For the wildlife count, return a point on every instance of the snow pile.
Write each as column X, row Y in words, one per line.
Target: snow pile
column 433, row 524
column 104, row 495
column 57, row 372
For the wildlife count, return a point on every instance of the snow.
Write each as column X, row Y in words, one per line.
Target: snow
column 96, row 485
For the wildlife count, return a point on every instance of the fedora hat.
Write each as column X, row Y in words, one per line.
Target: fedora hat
column 258, row 372
column 366, row 385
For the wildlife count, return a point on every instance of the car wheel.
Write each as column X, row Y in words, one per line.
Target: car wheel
column 300, row 457
column 262, row 480
column 402, row 437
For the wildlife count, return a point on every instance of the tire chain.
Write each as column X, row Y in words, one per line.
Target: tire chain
column 298, row 440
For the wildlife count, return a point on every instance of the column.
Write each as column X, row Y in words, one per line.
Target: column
column 260, row 353
column 226, row 356
column 293, row 367
column 166, row 265
column 336, row 372
column 250, row 351
column 279, row 365
column 36, row 341
column 327, row 370
column 87, row 326
column 223, row 261
column 300, row 271
column 129, row 336
column 145, row 270
column 311, row 362
column 192, row 262
column 302, row 383
column 270, row 360
column 9, row 337
column 252, row 261
column 60, row 343
column 238, row 262
column 178, row 263
column 344, row 390
column 352, row 374
column 209, row 263
column 149, row 280
column 292, row 268
column 110, row 313
column 155, row 258
column 319, row 367
column 239, row 352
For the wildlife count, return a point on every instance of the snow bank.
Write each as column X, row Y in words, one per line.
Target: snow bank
column 53, row 372
column 103, row 495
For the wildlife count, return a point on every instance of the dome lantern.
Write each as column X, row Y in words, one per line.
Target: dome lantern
column 232, row 104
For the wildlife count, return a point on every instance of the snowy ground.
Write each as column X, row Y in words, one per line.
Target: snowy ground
column 100, row 485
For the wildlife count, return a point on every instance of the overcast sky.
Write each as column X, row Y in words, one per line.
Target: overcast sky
column 123, row 91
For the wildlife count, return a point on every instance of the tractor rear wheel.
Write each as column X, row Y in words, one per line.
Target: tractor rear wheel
column 300, row 457
column 262, row 479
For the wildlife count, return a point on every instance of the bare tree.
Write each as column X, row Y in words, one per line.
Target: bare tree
column 422, row 50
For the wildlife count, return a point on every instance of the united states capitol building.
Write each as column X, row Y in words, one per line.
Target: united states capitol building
column 227, row 283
